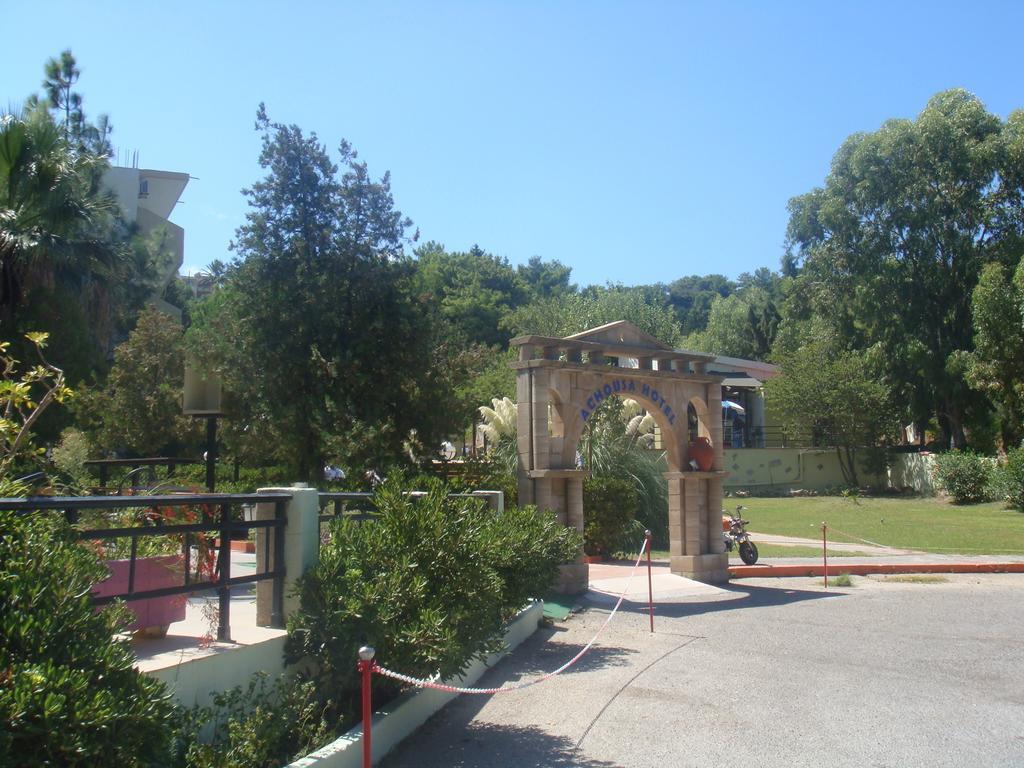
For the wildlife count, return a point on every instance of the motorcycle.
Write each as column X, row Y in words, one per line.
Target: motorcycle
column 734, row 534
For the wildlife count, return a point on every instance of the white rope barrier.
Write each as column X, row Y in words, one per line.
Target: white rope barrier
column 421, row 683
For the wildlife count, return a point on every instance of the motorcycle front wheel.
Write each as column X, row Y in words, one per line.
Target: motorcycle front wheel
column 748, row 552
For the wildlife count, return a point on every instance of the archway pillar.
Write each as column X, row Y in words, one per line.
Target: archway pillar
column 561, row 492
column 696, row 549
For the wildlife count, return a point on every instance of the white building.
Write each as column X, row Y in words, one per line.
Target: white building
column 147, row 199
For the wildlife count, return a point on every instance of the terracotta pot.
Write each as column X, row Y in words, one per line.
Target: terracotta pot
column 701, row 451
column 155, row 614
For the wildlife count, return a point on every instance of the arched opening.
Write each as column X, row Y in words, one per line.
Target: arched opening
column 565, row 387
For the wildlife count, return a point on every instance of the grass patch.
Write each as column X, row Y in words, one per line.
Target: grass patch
column 840, row 580
column 918, row 523
column 912, row 579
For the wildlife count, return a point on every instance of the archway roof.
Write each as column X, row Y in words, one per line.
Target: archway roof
column 618, row 339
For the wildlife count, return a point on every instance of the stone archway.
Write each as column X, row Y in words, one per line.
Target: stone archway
column 561, row 382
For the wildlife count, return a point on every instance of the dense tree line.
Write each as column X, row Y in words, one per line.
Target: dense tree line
column 341, row 338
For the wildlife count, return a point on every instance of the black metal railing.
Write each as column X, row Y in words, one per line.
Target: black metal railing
column 217, row 517
column 136, row 467
column 353, row 504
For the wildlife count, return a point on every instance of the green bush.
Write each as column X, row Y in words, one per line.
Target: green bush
column 610, row 505
column 429, row 584
column 260, row 726
column 69, row 457
column 69, row 693
column 965, row 476
column 1011, row 479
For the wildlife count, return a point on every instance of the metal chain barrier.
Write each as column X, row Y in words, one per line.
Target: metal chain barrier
column 421, row 683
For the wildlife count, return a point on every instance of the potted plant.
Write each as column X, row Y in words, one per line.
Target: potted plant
column 159, row 563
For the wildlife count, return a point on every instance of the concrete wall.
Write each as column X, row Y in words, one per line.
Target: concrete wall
column 784, row 469
column 787, row 468
column 913, row 471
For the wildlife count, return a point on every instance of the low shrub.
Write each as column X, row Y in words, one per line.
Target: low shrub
column 429, row 584
column 69, row 692
column 69, row 457
column 1010, row 479
column 965, row 476
column 259, row 726
column 610, row 505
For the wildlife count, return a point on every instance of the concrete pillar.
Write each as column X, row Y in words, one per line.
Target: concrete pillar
column 715, row 544
column 301, row 546
column 714, row 401
column 539, row 418
column 573, row 578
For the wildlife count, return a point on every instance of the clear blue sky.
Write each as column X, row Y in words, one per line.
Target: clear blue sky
column 634, row 141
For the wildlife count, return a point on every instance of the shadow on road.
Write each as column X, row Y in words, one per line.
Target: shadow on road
column 740, row 598
column 538, row 656
column 486, row 745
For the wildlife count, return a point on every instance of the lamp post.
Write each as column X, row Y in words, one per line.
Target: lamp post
column 201, row 399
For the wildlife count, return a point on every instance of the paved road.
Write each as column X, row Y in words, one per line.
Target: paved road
column 773, row 672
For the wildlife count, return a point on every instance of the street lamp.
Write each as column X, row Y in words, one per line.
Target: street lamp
column 202, row 400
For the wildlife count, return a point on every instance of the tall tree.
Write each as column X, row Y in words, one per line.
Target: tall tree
column 691, row 298
column 575, row 312
column 997, row 364
column 328, row 340
column 546, row 278
column 473, row 291
column 832, row 397
column 139, row 409
column 891, row 247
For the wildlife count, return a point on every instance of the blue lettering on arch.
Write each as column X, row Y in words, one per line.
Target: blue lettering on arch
column 607, row 390
column 591, row 404
column 645, row 390
column 584, row 414
column 632, row 386
column 598, row 397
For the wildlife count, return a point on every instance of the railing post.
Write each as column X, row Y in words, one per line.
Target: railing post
column 277, row 609
column 299, row 548
column 365, row 666
column 224, row 573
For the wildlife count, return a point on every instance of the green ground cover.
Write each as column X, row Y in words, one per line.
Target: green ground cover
column 911, row 523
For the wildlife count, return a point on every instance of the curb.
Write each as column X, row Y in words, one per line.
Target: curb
column 756, row 571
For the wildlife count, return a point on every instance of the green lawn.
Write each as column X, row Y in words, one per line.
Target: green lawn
column 911, row 523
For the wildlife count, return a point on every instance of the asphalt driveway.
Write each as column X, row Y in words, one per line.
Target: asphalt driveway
column 767, row 672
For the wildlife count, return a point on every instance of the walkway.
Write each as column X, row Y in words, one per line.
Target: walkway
column 765, row 672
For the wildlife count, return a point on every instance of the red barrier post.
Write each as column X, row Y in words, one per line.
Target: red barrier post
column 365, row 666
column 824, row 552
column 650, row 588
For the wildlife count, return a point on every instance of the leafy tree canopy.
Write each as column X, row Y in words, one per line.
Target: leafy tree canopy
column 892, row 246
column 997, row 364
column 328, row 337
